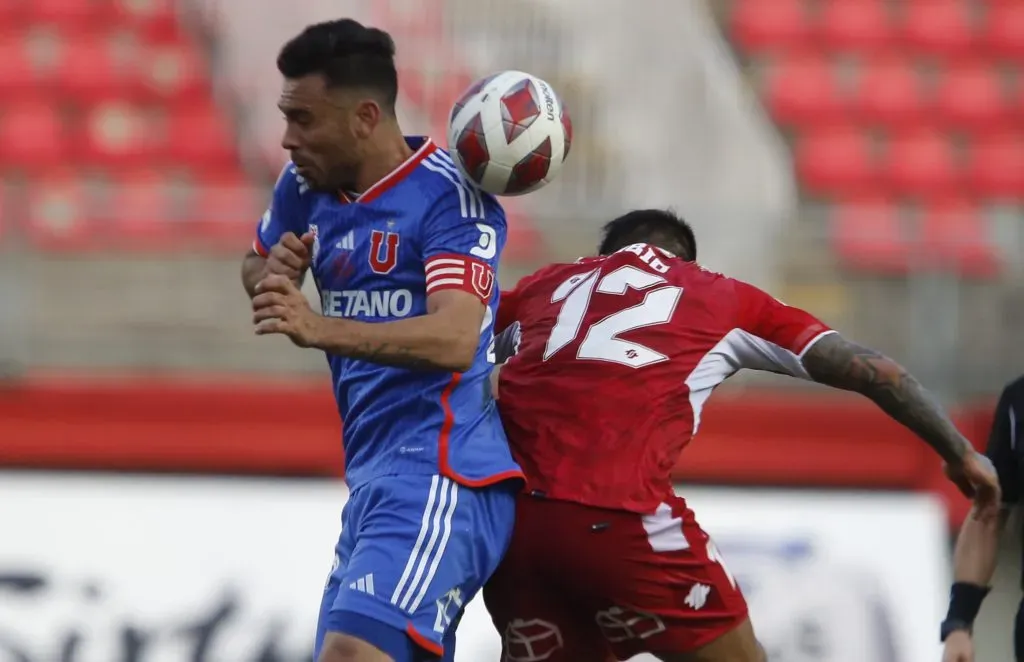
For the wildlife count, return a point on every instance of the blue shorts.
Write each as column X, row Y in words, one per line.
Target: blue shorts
column 413, row 551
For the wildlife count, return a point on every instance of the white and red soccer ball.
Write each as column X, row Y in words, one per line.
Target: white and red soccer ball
column 509, row 133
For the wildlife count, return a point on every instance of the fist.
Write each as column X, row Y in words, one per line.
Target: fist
column 976, row 478
column 958, row 647
column 290, row 256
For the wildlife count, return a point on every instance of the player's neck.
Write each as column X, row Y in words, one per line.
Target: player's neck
column 392, row 152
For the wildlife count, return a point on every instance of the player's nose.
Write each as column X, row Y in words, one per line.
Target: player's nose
column 289, row 141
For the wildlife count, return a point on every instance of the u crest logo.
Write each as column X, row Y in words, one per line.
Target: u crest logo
column 383, row 251
column 483, row 281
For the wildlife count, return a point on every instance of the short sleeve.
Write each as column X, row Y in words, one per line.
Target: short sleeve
column 285, row 212
column 765, row 317
column 1003, row 438
column 770, row 335
column 462, row 244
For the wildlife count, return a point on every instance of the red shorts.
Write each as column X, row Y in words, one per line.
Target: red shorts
column 587, row 584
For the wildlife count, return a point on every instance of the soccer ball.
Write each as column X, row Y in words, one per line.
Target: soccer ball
column 509, row 133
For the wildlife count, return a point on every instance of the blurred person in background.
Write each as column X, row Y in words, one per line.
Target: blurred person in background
column 977, row 547
column 610, row 360
column 403, row 253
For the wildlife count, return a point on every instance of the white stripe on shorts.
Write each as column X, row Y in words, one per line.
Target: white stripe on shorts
column 426, row 552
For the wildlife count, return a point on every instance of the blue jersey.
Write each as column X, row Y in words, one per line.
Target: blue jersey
column 376, row 257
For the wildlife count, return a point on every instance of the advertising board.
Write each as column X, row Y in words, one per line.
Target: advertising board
column 109, row 568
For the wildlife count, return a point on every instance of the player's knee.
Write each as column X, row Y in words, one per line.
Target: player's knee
column 340, row 647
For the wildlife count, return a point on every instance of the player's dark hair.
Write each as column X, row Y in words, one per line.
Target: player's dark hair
column 347, row 54
column 660, row 227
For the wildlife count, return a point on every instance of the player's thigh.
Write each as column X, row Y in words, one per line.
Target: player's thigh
column 658, row 585
column 737, row 645
column 422, row 547
column 536, row 622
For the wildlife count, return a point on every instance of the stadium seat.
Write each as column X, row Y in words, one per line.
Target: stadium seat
column 919, row 162
column 937, row 27
column 71, row 13
column 835, row 159
column 99, row 66
column 759, row 25
column 803, row 88
column 118, row 133
column 57, row 211
column 970, row 96
column 996, row 165
column 868, row 234
column 173, row 72
column 140, row 200
column 200, row 135
column 888, row 92
column 954, row 236
column 854, row 25
column 32, row 135
column 1004, row 30
column 154, row 19
column 19, row 74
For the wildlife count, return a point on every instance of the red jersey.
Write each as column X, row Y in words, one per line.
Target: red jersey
column 617, row 357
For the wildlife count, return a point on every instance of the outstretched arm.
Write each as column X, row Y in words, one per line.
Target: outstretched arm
column 837, row 362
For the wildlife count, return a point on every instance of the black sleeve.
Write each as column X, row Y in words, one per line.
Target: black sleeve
column 506, row 343
column 1003, row 439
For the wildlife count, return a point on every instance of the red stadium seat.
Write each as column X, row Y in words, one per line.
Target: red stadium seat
column 14, row 13
column 227, row 200
column 58, row 211
column 996, row 165
column 954, row 235
column 759, row 25
column 98, row 67
column 854, row 25
column 18, row 72
column 971, row 96
column 142, row 207
column 868, row 234
column 802, row 89
column 200, row 135
column 174, row 72
column 72, row 13
column 32, row 135
column 835, row 159
column 116, row 134
column 920, row 162
column 938, row 27
column 1004, row 30
column 154, row 19
column 888, row 92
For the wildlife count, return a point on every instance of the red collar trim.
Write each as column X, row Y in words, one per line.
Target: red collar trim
column 393, row 178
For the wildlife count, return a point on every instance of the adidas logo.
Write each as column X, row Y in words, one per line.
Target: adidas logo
column 363, row 584
column 348, row 242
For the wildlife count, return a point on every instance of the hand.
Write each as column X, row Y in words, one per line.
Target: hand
column 958, row 647
column 290, row 256
column 976, row 478
column 279, row 307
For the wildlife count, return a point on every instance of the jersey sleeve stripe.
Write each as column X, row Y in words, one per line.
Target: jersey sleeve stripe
column 259, row 248
column 446, row 271
column 443, row 283
column 470, row 203
column 456, row 272
column 812, row 342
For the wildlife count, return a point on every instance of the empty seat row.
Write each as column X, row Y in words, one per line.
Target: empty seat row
column 152, row 18
column 950, row 233
column 939, row 27
column 136, row 208
column 844, row 158
column 889, row 89
column 35, row 135
column 91, row 66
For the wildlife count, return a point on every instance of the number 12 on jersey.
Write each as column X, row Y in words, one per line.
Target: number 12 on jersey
column 602, row 341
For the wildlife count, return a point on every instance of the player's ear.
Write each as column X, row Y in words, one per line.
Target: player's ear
column 366, row 115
